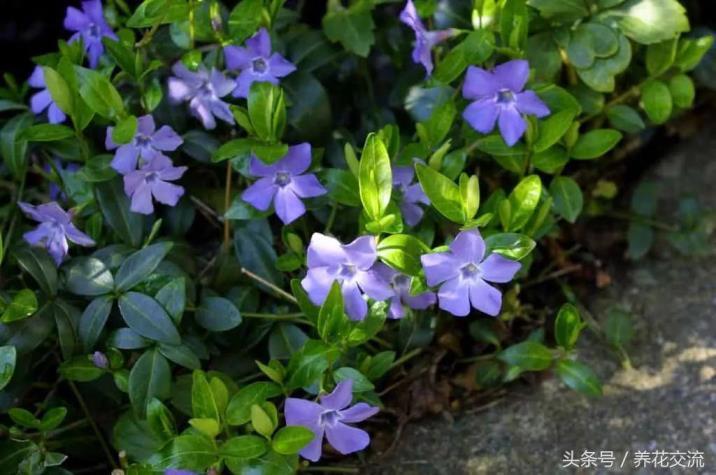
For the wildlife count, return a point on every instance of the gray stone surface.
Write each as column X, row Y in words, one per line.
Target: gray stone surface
column 666, row 402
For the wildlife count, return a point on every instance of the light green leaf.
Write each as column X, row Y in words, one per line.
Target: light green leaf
column 375, row 177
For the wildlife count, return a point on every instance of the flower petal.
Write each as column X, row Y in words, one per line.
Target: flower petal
column 280, row 66
column 77, row 236
column 36, row 235
column 346, row 439
column 358, row 412
column 479, row 83
column 260, row 43
column 167, row 193
column 146, row 125
column 317, row 284
column 300, row 412
column 362, row 252
column 75, row 20
column 40, row 101
column 260, row 194
column 420, row 301
column 55, row 114
column 325, row 251
column 374, row 285
column 288, row 206
column 497, row 268
column 529, row 103
column 453, row 297
column 221, row 84
column 237, row 58
column 166, row 139
column 485, row 297
column 512, row 125
column 37, row 78
column 179, row 90
column 353, row 302
column 513, row 74
column 468, row 246
column 341, row 396
column 482, row 115
column 142, row 199
column 243, row 83
column 297, row 159
column 439, row 267
column 307, row 186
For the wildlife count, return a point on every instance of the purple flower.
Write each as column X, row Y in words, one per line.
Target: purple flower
column 90, row 25
column 100, row 360
column 152, row 180
column 412, row 195
column 203, row 90
column 351, row 265
column 424, row 40
column 402, row 298
column 55, row 229
column 498, row 97
column 42, row 99
column 284, row 183
column 464, row 272
column 147, row 144
column 329, row 417
column 256, row 63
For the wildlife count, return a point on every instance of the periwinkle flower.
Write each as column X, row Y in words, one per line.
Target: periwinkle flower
column 42, row 100
column 203, row 90
column 285, row 183
column 499, row 98
column 152, row 180
column 54, row 231
column 331, row 417
column 425, row 40
column 147, row 144
column 256, row 63
column 100, row 360
column 412, row 195
column 463, row 273
column 90, row 25
column 351, row 265
column 400, row 283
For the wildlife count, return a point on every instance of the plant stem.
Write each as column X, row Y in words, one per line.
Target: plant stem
column 642, row 220
column 290, row 317
column 331, row 218
column 329, row 469
column 95, row 428
column 268, row 284
column 407, row 356
column 227, row 203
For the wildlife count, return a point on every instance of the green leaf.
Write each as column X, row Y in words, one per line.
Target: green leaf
column 23, row 417
column 595, row 143
column 173, row 298
column 649, row 21
column 360, row 382
column 579, row 377
column 13, row 150
column 181, row 355
column 551, row 160
column 8, row 359
column 253, row 242
column 375, row 177
column 660, row 56
column 691, row 51
column 99, row 94
column 262, row 421
column 510, row 245
column 203, row 402
column 59, row 90
column 342, row 186
column 618, row 328
column 245, row 19
column 46, row 133
column 158, row 12
column 601, row 75
column 625, row 118
column 553, row 128
column 286, row 339
column 656, row 101
column 122, row 55
column 217, row 314
column 307, row 365
column 125, row 130
column 140, row 265
column 149, row 378
column 88, row 276
column 567, row 326
column 443, row 193
column 243, row 447
column 146, row 317
column 40, row 266
column 238, row 411
column 160, row 420
column 528, row 355
column 114, row 204
column 402, row 252
column 568, row 200
column 469, row 195
column 290, row 440
column 267, row 111
column 332, row 321
column 523, row 202
column 682, row 91
column 189, row 451
column 93, row 320
column 640, row 238
column 22, row 305
column 560, row 10
column 353, row 27
column 80, row 368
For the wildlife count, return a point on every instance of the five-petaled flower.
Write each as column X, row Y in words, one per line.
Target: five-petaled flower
column 463, row 273
column 90, row 25
column 424, row 40
column 152, row 180
column 330, row 417
column 42, row 99
column 55, row 229
column 499, row 97
column 285, row 183
column 400, row 283
column 412, row 195
column 203, row 90
column 256, row 63
column 147, row 144
column 100, row 360
column 351, row 265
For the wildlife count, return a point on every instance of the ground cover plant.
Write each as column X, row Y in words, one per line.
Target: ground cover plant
column 231, row 229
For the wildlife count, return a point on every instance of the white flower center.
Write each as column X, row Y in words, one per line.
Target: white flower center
column 282, row 178
column 259, row 65
column 505, row 96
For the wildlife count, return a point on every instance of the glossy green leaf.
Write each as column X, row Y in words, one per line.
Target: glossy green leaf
column 114, row 204
column 444, row 194
column 238, row 411
column 146, row 317
column 402, row 252
column 528, row 355
column 579, row 377
column 39, row 264
column 88, row 276
column 8, row 359
column 290, row 440
column 567, row 326
column 568, row 199
column 93, row 320
column 22, row 305
column 140, row 265
column 149, row 378
column 523, row 202
column 511, row 245
column 656, row 101
column 375, row 177
column 595, row 143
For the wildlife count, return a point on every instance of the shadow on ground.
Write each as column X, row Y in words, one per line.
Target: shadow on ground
column 666, row 402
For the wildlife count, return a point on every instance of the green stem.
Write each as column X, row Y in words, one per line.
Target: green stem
column 268, row 284
column 642, row 220
column 407, row 356
column 290, row 317
column 331, row 218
